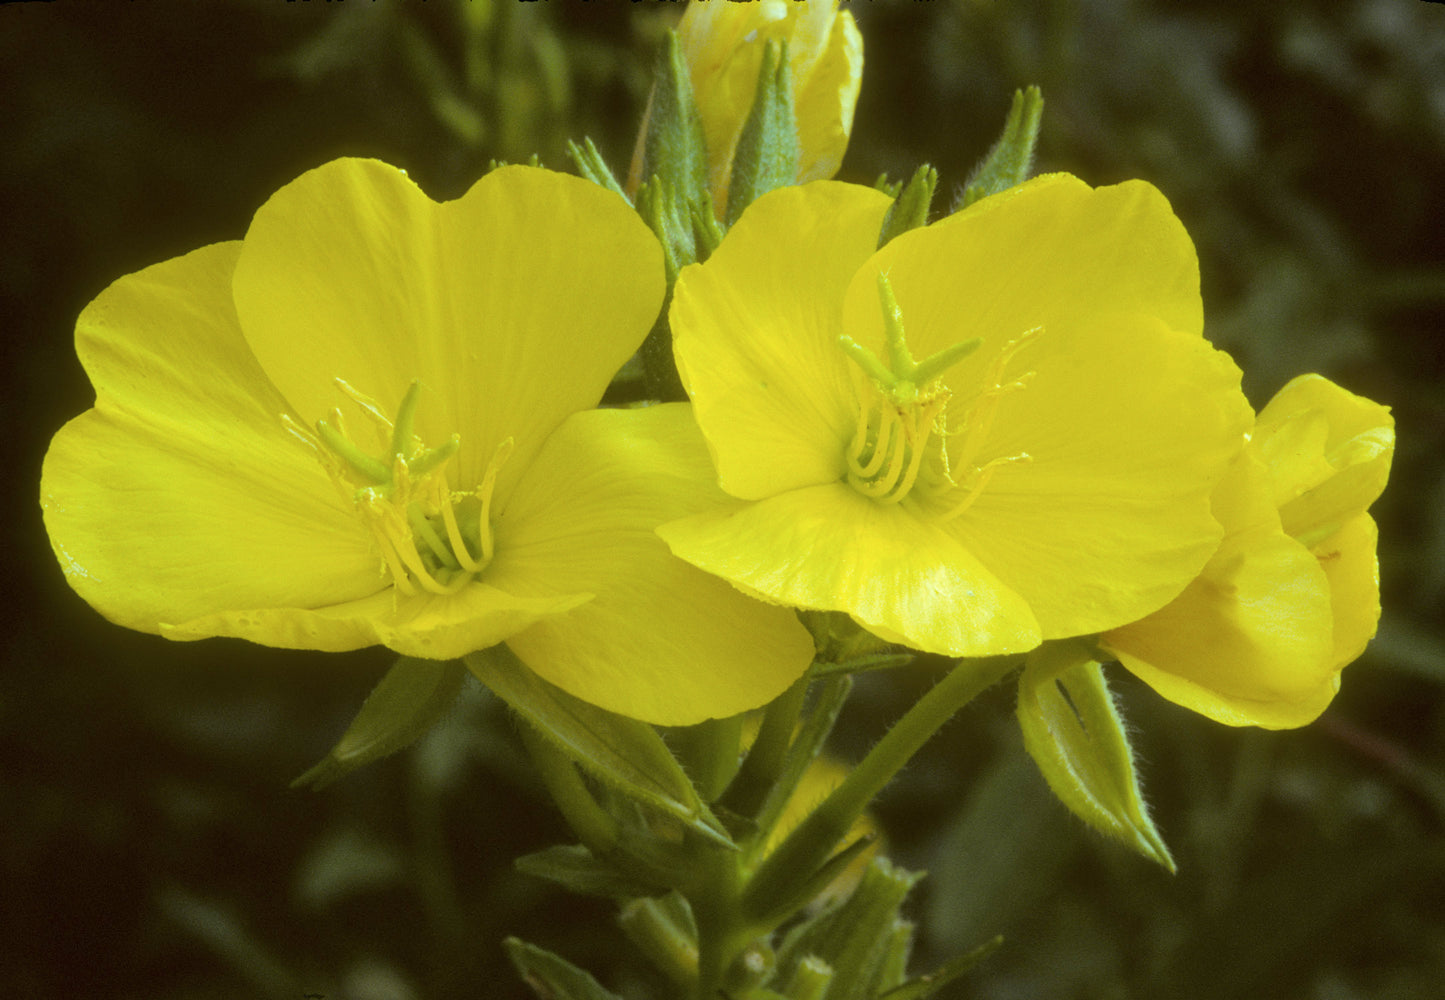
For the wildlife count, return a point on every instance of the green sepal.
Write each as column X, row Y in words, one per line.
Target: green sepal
column 891, row 188
column 766, row 157
column 674, row 148
column 1073, row 730
column 552, row 977
column 578, row 870
column 589, row 164
column 412, row 696
column 927, row 986
column 911, row 205
column 670, row 217
column 664, row 930
column 856, row 938
column 625, row 755
column 1012, row 156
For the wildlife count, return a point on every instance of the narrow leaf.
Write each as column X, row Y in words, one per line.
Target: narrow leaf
column 927, row 986
column 576, row 869
column 412, row 696
column 624, row 754
column 552, row 977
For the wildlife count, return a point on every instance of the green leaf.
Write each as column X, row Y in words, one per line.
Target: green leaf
column 1012, row 156
column 766, row 157
column 625, row 755
column 552, row 977
column 1074, row 732
column 412, row 696
column 926, row 986
column 578, row 870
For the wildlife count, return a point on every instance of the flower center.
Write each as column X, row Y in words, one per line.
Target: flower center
column 899, row 442
column 432, row 538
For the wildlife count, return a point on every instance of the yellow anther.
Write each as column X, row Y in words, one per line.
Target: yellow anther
column 403, row 497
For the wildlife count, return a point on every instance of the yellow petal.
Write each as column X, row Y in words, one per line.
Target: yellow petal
column 1051, row 253
column 1329, row 452
column 755, row 331
column 514, row 304
column 1249, row 641
column 426, row 626
column 1348, row 559
column 1097, row 509
column 826, row 97
column 181, row 494
column 830, row 548
column 661, row 641
column 723, row 45
column 1128, row 426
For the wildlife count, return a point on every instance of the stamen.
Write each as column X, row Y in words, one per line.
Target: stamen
column 893, row 446
column 484, row 492
column 403, row 497
column 981, row 476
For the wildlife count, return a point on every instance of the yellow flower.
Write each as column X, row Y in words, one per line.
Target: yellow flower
column 369, row 422
column 723, row 44
column 1044, row 471
column 1292, row 595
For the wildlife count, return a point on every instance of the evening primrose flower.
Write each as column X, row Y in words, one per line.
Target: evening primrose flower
column 999, row 429
column 369, row 423
column 723, row 44
column 1292, row 596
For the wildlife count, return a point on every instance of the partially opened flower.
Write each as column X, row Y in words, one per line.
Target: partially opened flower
column 369, row 422
column 1043, row 471
column 1292, row 595
column 723, row 44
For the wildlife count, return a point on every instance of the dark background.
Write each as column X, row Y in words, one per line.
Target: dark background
column 149, row 845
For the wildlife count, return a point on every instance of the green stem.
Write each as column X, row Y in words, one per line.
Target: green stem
column 789, row 867
column 764, row 762
column 592, row 824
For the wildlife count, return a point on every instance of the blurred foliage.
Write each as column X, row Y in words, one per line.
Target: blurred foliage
column 151, row 847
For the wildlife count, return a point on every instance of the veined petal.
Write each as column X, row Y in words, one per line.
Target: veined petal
column 514, row 305
column 1052, row 253
column 426, row 626
column 830, row 548
column 181, row 494
column 826, row 97
column 1348, row 560
column 662, row 641
column 1127, row 426
column 755, row 331
column 1249, row 641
